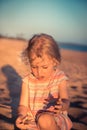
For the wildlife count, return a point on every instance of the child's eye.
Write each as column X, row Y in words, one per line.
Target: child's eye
column 34, row 67
column 45, row 67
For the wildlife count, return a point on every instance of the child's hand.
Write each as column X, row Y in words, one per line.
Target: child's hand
column 20, row 122
column 58, row 107
column 46, row 101
column 55, row 105
column 25, row 123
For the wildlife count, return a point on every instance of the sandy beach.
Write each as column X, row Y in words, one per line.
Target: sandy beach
column 12, row 69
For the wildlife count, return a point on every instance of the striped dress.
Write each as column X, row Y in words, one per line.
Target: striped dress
column 41, row 91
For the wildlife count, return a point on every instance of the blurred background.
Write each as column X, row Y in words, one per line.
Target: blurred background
column 65, row 20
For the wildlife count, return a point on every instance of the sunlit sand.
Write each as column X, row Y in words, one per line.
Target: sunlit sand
column 74, row 63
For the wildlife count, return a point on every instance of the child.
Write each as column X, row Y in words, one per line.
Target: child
column 44, row 98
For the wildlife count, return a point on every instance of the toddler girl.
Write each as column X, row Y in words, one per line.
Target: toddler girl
column 44, row 100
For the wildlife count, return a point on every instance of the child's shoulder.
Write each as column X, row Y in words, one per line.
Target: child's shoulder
column 28, row 78
column 61, row 75
column 25, row 79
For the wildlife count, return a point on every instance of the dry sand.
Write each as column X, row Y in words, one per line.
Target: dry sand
column 74, row 64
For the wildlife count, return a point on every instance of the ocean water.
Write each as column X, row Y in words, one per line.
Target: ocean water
column 76, row 47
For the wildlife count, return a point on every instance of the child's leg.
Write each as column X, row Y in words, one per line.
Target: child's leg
column 47, row 122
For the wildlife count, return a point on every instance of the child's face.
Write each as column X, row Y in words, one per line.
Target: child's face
column 42, row 67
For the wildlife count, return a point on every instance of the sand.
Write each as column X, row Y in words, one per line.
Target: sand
column 12, row 70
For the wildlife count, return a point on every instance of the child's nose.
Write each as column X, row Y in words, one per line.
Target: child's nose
column 39, row 72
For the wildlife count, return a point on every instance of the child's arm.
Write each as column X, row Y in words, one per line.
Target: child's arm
column 23, row 103
column 63, row 102
column 24, row 108
column 64, row 95
column 24, row 112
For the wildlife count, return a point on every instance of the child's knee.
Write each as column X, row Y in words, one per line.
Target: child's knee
column 45, row 121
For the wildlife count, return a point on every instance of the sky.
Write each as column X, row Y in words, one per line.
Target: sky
column 65, row 20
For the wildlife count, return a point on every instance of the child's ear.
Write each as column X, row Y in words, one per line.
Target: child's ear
column 55, row 62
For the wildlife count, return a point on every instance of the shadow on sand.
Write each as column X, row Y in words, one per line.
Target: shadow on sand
column 9, row 95
column 79, row 107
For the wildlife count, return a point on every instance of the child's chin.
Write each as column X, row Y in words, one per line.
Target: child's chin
column 41, row 79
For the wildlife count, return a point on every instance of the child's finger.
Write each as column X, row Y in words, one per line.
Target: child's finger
column 46, row 101
column 19, row 120
column 56, row 111
column 59, row 102
column 58, row 107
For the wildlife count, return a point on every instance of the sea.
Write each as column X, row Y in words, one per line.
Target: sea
column 76, row 47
